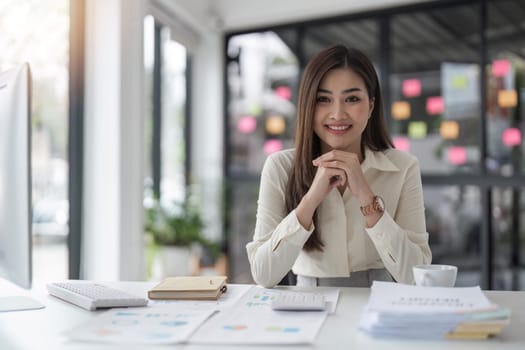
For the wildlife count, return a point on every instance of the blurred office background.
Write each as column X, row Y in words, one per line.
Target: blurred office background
column 137, row 100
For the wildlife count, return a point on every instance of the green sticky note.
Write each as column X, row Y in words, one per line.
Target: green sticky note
column 417, row 130
column 255, row 110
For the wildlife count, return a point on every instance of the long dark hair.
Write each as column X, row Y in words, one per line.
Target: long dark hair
column 307, row 143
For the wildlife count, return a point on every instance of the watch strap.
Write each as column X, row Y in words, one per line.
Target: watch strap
column 373, row 207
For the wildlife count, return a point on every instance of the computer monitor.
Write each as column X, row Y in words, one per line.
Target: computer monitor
column 15, row 185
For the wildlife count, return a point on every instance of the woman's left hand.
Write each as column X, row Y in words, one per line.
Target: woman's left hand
column 350, row 164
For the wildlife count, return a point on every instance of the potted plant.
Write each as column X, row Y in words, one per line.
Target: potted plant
column 175, row 233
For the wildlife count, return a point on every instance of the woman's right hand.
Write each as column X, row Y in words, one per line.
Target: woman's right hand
column 325, row 180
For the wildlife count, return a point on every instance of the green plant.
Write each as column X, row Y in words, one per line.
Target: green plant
column 179, row 225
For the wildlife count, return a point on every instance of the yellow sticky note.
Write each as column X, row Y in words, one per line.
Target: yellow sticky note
column 449, row 130
column 401, row 110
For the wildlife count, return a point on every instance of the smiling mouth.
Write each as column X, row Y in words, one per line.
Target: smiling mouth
column 338, row 128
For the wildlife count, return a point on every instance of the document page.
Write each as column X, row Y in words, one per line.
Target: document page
column 396, row 297
column 146, row 325
column 252, row 321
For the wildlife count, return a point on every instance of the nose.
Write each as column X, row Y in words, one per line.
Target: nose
column 338, row 112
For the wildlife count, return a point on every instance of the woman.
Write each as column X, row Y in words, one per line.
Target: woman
column 343, row 208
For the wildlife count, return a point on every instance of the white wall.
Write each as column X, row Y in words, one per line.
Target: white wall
column 113, row 145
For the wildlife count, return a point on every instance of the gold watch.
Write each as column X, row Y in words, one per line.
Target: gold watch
column 377, row 206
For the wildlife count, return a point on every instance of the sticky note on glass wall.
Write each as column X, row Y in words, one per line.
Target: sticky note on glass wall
column 402, row 143
column 457, row 155
column 400, row 110
column 500, row 68
column 417, row 130
column 435, row 105
column 507, row 98
column 459, row 82
column 255, row 109
column 271, row 146
column 449, row 129
column 411, row 87
column 246, row 125
column 284, row 92
column 275, row 125
column 511, row 137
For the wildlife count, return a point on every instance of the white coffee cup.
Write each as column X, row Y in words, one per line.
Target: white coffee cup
column 435, row 275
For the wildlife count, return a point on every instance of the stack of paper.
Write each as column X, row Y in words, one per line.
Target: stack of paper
column 405, row 311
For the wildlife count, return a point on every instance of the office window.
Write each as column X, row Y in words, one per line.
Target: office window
column 434, row 86
column 509, row 234
column 165, row 64
column 361, row 34
column 169, row 100
column 505, row 87
column 46, row 49
column 262, row 77
column 453, row 222
column 173, row 148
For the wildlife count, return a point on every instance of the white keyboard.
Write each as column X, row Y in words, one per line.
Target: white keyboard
column 296, row 301
column 91, row 296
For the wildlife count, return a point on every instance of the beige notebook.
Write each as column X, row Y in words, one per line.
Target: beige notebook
column 189, row 287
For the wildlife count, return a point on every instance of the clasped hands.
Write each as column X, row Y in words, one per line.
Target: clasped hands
column 338, row 169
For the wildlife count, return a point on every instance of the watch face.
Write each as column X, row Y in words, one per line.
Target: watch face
column 380, row 204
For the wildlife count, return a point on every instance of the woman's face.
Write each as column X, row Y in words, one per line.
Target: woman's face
column 342, row 110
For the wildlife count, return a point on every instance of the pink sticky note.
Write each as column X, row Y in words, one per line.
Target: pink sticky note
column 271, row 146
column 412, row 87
column 457, row 155
column 511, row 137
column 283, row 92
column 247, row 125
column 435, row 105
column 500, row 68
column 401, row 143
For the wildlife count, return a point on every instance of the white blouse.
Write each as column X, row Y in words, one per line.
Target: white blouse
column 397, row 242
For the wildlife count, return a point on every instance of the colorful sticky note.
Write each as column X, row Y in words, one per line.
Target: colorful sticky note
column 511, row 137
column 283, row 92
column 507, row 98
column 459, row 82
column 402, row 143
column 412, row 87
column 449, row 130
column 435, row 105
column 500, row 68
column 272, row 145
column 275, row 125
column 457, row 155
column 246, row 125
column 401, row 110
column 255, row 109
column 417, row 130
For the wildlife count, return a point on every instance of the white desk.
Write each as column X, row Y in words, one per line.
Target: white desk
column 41, row 329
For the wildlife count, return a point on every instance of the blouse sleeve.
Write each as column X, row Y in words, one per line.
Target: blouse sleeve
column 402, row 241
column 279, row 237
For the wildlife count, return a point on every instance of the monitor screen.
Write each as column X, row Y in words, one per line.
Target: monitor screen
column 15, row 179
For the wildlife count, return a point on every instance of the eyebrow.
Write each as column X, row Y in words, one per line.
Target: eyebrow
column 347, row 91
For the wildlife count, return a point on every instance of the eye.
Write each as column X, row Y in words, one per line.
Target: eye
column 352, row 99
column 322, row 99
